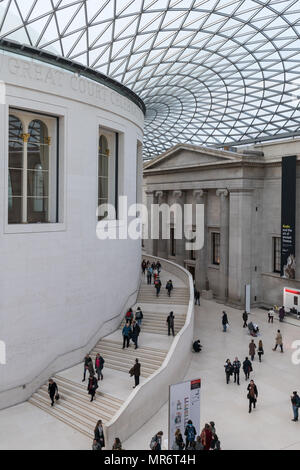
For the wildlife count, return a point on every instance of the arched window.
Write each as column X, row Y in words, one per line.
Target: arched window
column 38, row 172
column 15, row 168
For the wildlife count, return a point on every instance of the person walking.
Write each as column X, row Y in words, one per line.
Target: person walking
column 252, row 395
column 136, row 372
column 295, row 400
column 156, row 441
column 278, row 341
column 126, row 332
column 87, row 365
column 236, row 370
column 157, row 285
column 149, row 275
column 52, row 390
column 247, row 368
column 170, row 323
column 228, row 370
column 260, row 350
column 139, row 316
column 129, row 316
column 169, row 287
column 252, row 347
column 190, row 433
column 99, row 434
column 197, row 297
column 144, row 265
column 99, row 363
column 158, row 267
column 135, row 333
column 92, row 386
column 271, row 315
column 245, row 319
column 225, row 321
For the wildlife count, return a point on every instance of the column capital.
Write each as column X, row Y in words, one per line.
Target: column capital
column 177, row 194
column 222, row 192
column 25, row 137
column 199, row 193
column 160, row 195
column 149, row 192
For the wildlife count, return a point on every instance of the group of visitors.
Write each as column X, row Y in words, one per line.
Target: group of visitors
column 207, row 439
column 89, row 367
column 152, row 270
column 132, row 327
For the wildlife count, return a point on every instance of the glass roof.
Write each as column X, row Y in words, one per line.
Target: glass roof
column 211, row 72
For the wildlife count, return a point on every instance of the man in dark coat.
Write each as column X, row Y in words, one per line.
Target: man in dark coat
column 52, row 390
column 87, row 365
column 170, row 323
column 247, row 368
column 252, row 395
column 169, row 287
column 136, row 371
column 92, row 386
column 197, row 297
column 236, row 370
column 245, row 319
column 135, row 333
column 224, row 321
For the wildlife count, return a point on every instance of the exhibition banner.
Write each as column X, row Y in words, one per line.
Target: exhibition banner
column 184, row 405
column 288, row 217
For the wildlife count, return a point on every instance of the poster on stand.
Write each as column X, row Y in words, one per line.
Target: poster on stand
column 184, row 405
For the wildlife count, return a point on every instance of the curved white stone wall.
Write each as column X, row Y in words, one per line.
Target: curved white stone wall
column 61, row 288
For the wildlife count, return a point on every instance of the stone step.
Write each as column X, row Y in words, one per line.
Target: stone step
column 62, row 417
column 154, row 351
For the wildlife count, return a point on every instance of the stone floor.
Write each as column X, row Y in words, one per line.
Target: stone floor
column 268, row 427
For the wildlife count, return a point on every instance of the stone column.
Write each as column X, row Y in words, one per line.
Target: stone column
column 179, row 197
column 148, row 242
column 239, row 245
column 200, row 197
column 224, row 243
column 162, row 247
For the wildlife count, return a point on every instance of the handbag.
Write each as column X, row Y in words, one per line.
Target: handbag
column 57, row 396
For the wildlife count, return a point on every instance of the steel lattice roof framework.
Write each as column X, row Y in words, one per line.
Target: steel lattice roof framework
column 211, row 72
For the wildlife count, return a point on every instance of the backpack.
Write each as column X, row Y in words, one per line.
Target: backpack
column 190, row 433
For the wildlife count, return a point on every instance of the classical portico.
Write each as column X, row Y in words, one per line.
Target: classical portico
column 240, row 192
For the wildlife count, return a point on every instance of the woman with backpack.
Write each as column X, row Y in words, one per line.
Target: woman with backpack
column 157, row 284
column 190, row 433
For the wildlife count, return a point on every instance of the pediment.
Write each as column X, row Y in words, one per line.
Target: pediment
column 182, row 157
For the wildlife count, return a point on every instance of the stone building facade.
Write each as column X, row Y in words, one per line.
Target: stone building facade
column 241, row 193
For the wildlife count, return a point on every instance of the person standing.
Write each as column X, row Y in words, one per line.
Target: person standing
column 99, row 434
column 136, row 372
column 144, row 265
column 117, row 445
column 197, row 297
column 236, row 370
column 86, row 365
column 247, row 368
column 252, row 347
column 156, row 441
column 252, row 395
column 245, row 319
column 260, row 350
column 99, row 363
column 281, row 314
column 169, row 287
column 92, row 386
column 126, row 332
column 139, row 316
column 52, row 390
column 278, row 341
column 170, row 323
column 228, row 370
column 225, row 321
column 149, row 275
column 178, row 443
column 157, row 285
column 295, row 400
column 129, row 316
column 158, row 267
column 206, row 437
column 135, row 333
column 190, row 433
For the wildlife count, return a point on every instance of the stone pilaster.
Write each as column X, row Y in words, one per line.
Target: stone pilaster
column 162, row 246
column 179, row 198
column 148, row 242
column 200, row 197
column 224, row 243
